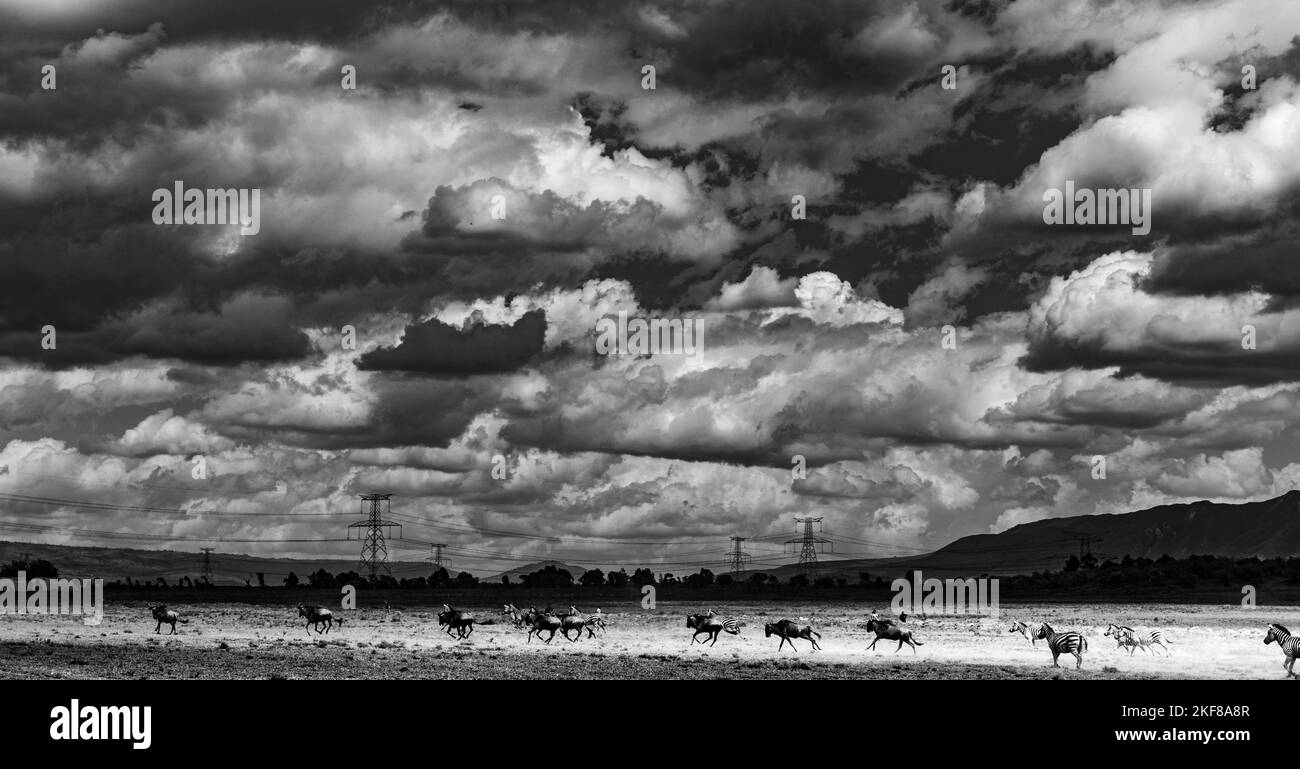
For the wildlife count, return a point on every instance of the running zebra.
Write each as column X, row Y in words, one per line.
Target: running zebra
column 512, row 613
column 1126, row 636
column 595, row 622
column 1069, row 642
column 711, row 626
column 1025, row 630
column 1289, row 643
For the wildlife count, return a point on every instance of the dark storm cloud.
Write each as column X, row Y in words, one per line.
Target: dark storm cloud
column 1208, row 365
column 1263, row 260
column 246, row 330
column 434, row 347
column 1022, row 109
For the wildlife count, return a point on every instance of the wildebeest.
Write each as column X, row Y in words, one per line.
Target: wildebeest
column 163, row 614
column 790, row 630
column 461, row 621
column 711, row 625
column 317, row 616
column 538, row 621
column 572, row 620
column 892, row 633
column 589, row 622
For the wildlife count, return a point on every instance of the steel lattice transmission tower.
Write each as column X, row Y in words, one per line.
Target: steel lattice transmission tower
column 739, row 558
column 206, row 564
column 809, row 543
column 436, row 558
column 371, row 532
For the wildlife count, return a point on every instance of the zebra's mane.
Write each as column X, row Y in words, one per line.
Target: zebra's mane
column 1276, row 626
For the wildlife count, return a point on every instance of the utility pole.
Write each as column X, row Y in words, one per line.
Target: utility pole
column 371, row 532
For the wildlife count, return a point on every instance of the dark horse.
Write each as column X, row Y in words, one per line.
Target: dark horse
column 789, row 630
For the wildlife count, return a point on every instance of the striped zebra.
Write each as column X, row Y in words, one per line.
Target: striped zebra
column 1069, row 642
column 1025, row 630
column 1289, row 643
column 1126, row 636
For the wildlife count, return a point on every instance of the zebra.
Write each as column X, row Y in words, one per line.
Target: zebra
column 594, row 622
column 516, row 617
column 788, row 630
column 1025, row 630
column 1290, row 646
column 892, row 632
column 317, row 616
column 711, row 625
column 1121, row 635
column 1068, row 641
column 1127, row 636
column 163, row 614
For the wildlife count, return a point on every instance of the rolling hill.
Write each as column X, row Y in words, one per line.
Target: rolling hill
column 1270, row 528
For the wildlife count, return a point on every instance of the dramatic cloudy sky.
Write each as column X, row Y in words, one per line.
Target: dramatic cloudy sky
column 475, row 337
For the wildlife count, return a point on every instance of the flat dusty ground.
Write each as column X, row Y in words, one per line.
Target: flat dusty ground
column 249, row 641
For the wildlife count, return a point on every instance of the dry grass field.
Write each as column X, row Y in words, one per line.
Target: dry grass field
column 258, row 641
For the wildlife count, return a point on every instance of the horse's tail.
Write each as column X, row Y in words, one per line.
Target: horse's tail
column 182, row 620
column 918, row 643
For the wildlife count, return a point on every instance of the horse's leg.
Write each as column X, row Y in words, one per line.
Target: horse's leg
column 159, row 628
column 873, row 644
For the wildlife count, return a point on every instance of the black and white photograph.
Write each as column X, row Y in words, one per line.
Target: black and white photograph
column 878, row 341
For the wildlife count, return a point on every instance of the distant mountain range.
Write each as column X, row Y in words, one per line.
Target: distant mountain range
column 1265, row 529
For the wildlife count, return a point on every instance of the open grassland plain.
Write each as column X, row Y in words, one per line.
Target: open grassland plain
column 247, row 641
